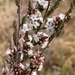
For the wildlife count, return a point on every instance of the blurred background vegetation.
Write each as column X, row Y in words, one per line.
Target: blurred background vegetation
column 60, row 57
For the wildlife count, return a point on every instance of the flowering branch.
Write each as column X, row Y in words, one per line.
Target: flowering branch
column 33, row 30
column 67, row 19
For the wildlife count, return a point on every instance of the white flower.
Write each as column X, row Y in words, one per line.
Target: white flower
column 36, row 38
column 44, row 34
column 41, row 19
column 22, row 30
column 36, row 24
column 21, row 65
column 5, row 70
column 21, row 56
column 21, row 41
column 62, row 16
column 50, row 20
column 50, row 26
column 40, row 67
column 36, row 16
column 39, row 16
column 8, row 51
column 30, row 37
column 29, row 44
column 42, row 3
column 34, row 73
column 25, row 28
column 39, row 36
column 39, row 33
column 27, row 65
column 44, row 44
column 34, row 19
column 50, row 29
column 30, row 52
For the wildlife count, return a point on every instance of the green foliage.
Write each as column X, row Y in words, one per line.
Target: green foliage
column 15, row 33
column 60, row 29
column 52, row 9
column 68, row 13
column 17, row 2
column 63, row 71
column 12, row 0
column 15, row 38
column 23, row 19
column 14, row 25
column 30, row 7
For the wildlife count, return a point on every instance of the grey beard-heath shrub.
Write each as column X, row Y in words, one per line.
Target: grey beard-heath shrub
column 35, row 29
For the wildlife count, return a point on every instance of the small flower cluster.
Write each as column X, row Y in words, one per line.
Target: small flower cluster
column 35, row 19
column 9, row 51
column 41, row 38
column 35, row 30
column 18, row 69
column 37, row 61
column 53, row 23
column 5, row 70
column 40, row 3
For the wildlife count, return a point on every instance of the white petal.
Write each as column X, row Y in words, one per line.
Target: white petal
column 29, row 44
column 21, row 56
column 44, row 44
column 30, row 52
column 27, row 65
column 62, row 16
column 34, row 73
column 22, row 66
column 8, row 51
column 40, row 67
column 36, row 38
column 30, row 37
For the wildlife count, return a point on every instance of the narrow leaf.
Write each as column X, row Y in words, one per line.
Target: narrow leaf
column 52, row 9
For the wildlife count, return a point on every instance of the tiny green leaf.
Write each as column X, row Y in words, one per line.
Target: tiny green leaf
column 23, row 19
column 52, row 9
column 17, row 2
column 15, row 37
column 14, row 25
column 30, row 7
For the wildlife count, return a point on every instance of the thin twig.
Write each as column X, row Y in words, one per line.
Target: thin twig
column 4, row 68
column 50, row 39
column 30, row 72
column 47, row 10
column 19, row 17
